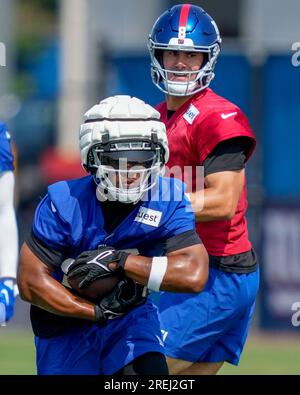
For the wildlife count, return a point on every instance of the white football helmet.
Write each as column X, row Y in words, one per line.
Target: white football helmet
column 124, row 145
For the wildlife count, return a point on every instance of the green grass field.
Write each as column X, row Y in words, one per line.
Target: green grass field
column 263, row 354
column 268, row 354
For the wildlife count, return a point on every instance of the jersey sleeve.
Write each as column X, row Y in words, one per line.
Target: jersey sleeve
column 6, row 157
column 183, row 240
column 178, row 229
column 218, row 126
column 229, row 155
column 49, row 228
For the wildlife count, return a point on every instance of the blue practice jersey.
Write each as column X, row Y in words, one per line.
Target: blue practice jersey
column 6, row 157
column 70, row 220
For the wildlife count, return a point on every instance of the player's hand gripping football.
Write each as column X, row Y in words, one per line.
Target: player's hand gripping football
column 126, row 295
column 94, row 264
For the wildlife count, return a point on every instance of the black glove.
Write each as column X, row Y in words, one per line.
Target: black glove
column 126, row 295
column 94, row 264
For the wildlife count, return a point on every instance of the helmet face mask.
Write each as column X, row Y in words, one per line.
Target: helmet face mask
column 199, row 35
column 122, row 174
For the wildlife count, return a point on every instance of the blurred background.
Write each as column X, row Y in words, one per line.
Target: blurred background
column 59, row 57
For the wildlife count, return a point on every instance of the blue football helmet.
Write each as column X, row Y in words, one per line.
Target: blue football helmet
column 184, row 27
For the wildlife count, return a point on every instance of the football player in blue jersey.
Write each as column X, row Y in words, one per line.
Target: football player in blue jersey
column 88, row 228
column 8, row 226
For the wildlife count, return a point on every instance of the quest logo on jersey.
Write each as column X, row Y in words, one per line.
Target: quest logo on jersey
column 191, row 114
column 148, row 216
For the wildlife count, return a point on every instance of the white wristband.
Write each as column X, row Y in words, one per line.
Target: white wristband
column 158, row 270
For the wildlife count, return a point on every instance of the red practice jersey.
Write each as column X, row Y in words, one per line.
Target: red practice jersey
column 194, row 130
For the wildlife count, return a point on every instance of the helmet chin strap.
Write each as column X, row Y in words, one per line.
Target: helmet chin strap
column 180, row 88
column 101, row 196
column 186, row 88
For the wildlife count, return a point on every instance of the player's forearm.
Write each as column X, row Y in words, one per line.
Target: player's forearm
column 184, row 273
column 55, row 298
column 37, row 287
column 211, row 205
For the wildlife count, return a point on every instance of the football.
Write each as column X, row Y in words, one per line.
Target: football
column 97, row 289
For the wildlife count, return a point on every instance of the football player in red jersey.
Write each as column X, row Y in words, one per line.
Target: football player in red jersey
column 204, row 129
